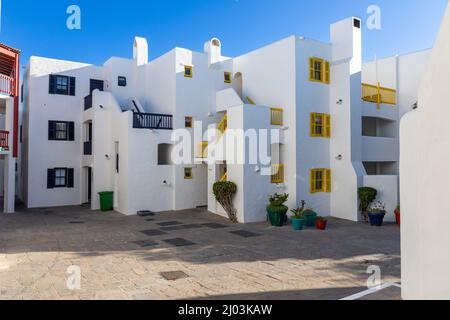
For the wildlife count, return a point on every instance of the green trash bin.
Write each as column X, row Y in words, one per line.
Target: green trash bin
column 106, row 201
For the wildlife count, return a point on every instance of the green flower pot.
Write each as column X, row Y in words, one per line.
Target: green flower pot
column 277, row 215
column 298, row 224
column 310, row 218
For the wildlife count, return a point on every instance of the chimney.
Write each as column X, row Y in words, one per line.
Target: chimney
column 140, row 51
column 346, row 42
column 213, row 48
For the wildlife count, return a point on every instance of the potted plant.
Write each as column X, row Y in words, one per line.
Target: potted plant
column 321, row 223
column 224, row 192
column 276, row 210
column 376, row 213
column 366, row 196
column 397, row 214
column 310, row 217
column 298, row 220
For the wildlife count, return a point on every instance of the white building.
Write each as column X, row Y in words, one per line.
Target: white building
column 425, row 181
column 88, row 129
column 9, row 119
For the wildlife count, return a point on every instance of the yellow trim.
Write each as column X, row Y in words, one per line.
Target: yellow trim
column 225, row 74
column 224, row 177
column 378, row 94
column 324, row 125
column 250, row 101
column 191, row 120
column 190, row 69
column 202, row 151
column 325, row 180
column 324, row 71
column 188, row 174
column 277, row 173
column 223, row 125
column 276, row 116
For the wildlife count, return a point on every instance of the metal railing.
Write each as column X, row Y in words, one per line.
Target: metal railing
column 278, row 173
column 4, row 140
column 7, row 85
column 276, row 116
column 202, row 151
column 224, row 177
column 223, row 125
column 152, row 121
column 378, row 94
column 87, row 148
column 88, row 102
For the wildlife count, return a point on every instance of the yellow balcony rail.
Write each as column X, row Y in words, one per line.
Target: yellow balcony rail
column 223, row 125
column 378, row 94
column 224, row 177
column 276, row 116
column 202, row 151
column 278, row 173
column 250, row 101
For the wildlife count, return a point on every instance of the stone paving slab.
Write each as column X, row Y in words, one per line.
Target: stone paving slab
column 118, row 261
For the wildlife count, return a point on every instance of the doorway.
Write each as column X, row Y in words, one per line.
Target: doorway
column 87, row 186
column 96, row 84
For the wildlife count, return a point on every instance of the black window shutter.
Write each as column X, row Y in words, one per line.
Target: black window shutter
column 71, row 133
column 72, row 82
column 51, row 130
column 52, row 85
column 50, row 178
column 70, row 183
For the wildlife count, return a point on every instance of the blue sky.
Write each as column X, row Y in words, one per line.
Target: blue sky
column 108, row 26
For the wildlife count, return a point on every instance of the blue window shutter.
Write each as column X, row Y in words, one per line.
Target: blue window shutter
column 72, row 86
column 51, row 130
column 71, row 129
column 52, row 84
column 50, row 178
column 70, row 177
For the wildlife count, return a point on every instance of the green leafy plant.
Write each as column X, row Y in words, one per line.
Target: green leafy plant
column 366, row 196
column 278, row 200
column 298, row 213
column 398, row 208
column 224, row 193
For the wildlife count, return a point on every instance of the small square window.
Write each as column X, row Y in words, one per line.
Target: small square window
column 61, row 130
column 188, row 174
column 227, row 77
column 122, row 81
column 357, row 23
column 188, row 71
column 320, row 180
column 60, row 178
column 188, row 122
column 62, row 84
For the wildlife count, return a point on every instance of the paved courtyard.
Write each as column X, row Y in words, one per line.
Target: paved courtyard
column 186, row 255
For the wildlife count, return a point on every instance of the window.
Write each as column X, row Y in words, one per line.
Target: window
column 164, row 154
column 61, row 131
column 320, row 180
column 320, row 125
column 227, row 77
column 188, row 71
column 357, row 23
column 21, row 93
column 188, row 122
column 60, row 178
column 319, row 70
column 122, row 81
column 62, row 85
column 188, row 174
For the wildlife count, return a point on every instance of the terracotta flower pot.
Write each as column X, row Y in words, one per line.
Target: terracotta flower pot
column 321, row 224
column 397, row 216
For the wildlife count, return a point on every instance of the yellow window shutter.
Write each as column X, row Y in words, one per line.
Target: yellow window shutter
column 328, row 180
column 327, row 71
column 328, row 126
column 311, row 69
column 312, row 181
column 312, row 124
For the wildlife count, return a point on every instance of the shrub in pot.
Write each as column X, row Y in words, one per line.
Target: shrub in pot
column 298, row 220
column 376, row 213
column 224, row 192
column 397, row 214
column 276, row 211
column 310, row 217
column 366, row 196
column 321, row 223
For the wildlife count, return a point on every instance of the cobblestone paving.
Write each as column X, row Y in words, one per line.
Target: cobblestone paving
column 186, row 255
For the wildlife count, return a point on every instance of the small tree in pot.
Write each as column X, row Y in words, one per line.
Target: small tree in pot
column 276, row 210
column 224, row 192
column 377, row 212
column 366, row 196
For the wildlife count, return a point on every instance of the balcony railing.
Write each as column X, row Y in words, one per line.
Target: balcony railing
column 88, row 102
column 4, row 140
column 379, row 95
column 87, row 148
column 152, row 121
column 224, row 178
column 276, row 116
column 278, row 173
column 202, row 150
column 223, row 124
column 7, row 85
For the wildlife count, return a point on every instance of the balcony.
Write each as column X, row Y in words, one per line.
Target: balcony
column 87, row 148
column 379, row 95
column 379, row 149
column 9, row 71
column 152, row 121
column 277, row 173
column 7, row 85
column 88, row 102
column 4, row 141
